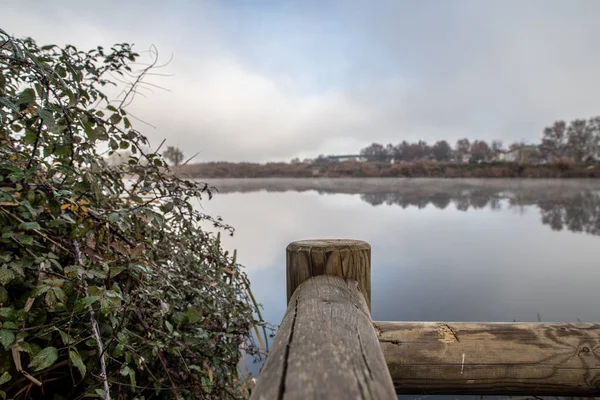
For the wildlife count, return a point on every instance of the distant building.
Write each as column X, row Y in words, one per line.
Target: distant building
column 347, row 157
column 526, row 154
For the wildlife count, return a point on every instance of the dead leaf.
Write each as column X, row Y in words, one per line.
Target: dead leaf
column 138, row 251
column 28, row 304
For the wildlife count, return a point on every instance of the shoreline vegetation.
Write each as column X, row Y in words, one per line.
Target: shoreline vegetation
column 566, row 150
column 562, row 168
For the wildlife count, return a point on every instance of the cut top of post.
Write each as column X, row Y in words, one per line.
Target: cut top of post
column 350, row 259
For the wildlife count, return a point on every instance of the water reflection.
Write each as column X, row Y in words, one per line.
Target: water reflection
column 443, row 250
column 572, row 205
column 577, row 211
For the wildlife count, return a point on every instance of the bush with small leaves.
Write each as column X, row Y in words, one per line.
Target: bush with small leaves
column 109, row 285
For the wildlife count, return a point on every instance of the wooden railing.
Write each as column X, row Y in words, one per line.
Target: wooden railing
column 327, row 347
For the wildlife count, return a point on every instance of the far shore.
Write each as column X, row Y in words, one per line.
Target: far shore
column 415, row 169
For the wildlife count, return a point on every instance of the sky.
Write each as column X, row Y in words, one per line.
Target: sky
column 273, row 80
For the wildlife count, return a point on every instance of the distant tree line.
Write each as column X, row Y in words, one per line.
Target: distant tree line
column 578, row 140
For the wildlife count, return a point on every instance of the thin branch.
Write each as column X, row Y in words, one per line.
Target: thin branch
column 141, row 120
column 95, row 330
column 159, row 146
column 190, row 159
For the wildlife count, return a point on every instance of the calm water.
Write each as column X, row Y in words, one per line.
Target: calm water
column 442, row 250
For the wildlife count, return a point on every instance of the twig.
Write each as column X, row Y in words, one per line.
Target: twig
column 96, row 331
column 190, row 159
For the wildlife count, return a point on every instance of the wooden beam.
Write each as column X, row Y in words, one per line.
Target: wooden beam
column 558, row 359
column 350, row 259
column 326, row 347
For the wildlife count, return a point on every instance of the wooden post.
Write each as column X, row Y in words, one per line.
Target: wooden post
column 350, row 259
column 530, row 359
column 326, row 346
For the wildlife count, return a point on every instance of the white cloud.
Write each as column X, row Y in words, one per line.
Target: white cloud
column 387, row 72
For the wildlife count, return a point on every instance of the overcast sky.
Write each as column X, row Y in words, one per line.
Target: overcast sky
column 271, row 80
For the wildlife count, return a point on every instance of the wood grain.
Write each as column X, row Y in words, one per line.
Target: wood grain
column 493, row 358
column 326, row 347
column 350, row 259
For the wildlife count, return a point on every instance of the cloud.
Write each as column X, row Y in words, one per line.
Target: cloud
column 268, row 82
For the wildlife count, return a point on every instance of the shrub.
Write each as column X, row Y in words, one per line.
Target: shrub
column 109, row 287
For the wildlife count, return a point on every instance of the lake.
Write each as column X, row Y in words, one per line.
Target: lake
column 442, row 249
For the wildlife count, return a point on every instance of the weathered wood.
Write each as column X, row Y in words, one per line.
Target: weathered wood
column 493, row 358
column 350, row 259
column 326, row 347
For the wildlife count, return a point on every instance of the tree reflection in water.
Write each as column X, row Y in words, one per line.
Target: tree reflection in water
column 577, row 211
column 572, row 204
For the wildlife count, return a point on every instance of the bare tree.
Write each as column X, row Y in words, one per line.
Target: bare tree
column 463, row 147
column 441, row 151
column 554, row 140
column 580, row 140
column 497, row 148
column 375, row 152
column 480, row 151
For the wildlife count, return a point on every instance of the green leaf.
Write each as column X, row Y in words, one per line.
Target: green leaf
column 167, row 207
column 5, row 378
column 10, row 325
column 51, row 298
column 26, row 97
column 30, row 348
column 6, row 275
column 66, row 338
column 101, row 133
column 56, row 222
column 40, row 290
column 6, row 338
column 77, row 361
column 26, row 240
column 125, row 371
column 44, row 359
column 115, row 119
column 194, row 315
column 9, row 104
column 60, row 295
column 29, row 226
column 3, row 295
column 48, row 119
column 63, row 150
column 84, row 303
column 90, row 131
column 8, row 313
